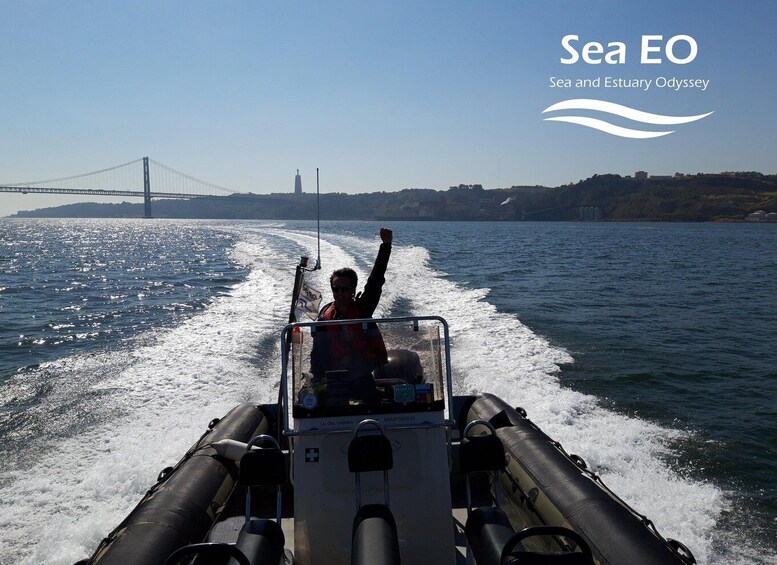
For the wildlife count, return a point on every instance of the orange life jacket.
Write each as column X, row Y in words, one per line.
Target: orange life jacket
column 345, row 340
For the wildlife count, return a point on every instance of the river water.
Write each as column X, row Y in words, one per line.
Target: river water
column 648, row 349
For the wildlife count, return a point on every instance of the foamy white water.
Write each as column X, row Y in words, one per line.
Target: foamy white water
column 165, row 387
column 494, row 352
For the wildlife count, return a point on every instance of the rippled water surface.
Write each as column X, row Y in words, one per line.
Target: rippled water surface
column 646, row 348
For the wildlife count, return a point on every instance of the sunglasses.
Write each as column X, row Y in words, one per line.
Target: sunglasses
column 342, row 289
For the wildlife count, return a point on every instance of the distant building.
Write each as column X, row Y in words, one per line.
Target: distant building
column 298, row 184
column 761, row 216
column 641, row 175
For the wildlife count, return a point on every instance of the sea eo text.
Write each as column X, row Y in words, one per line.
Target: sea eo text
column 594, row 53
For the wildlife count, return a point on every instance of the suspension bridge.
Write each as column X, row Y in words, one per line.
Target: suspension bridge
column 131, row 179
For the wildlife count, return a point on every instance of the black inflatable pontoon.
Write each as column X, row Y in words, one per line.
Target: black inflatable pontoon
column 410, row 475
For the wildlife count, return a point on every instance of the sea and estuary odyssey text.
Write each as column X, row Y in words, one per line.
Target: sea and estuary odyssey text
column 661, row 82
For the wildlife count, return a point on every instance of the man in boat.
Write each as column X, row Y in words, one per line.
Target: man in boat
column 347, row 305
column 352, row 348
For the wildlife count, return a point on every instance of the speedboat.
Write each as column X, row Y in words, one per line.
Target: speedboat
column 392, row 468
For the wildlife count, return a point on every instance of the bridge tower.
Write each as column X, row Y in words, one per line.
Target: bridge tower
column 146, row 189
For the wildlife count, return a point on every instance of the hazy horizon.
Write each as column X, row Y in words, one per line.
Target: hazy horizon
column 382, row 97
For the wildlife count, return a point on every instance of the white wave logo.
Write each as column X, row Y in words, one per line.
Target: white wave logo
column 618, row 110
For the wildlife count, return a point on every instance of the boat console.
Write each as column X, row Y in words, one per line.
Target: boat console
column 403, row 389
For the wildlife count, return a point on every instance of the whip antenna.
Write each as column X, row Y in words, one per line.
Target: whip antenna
column 318, row 224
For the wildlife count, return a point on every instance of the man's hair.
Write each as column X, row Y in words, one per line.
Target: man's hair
column 345, row 272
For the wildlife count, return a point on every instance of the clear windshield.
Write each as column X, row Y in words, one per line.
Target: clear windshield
column 366, row 367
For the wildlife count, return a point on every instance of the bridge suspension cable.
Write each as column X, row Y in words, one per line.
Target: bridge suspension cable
column 73, row 177
column 126, row 179
column 177, row 179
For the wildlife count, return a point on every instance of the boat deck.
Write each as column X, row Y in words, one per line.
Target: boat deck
column 263, row 506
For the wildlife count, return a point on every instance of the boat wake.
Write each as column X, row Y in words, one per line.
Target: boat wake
column 156, row 394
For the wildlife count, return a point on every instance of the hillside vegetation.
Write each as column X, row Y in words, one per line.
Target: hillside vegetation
column 703, row 197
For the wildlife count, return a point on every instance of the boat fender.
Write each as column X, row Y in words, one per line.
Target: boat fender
column 213, row 422
column 164, row 473
column 520, row 410
column 230, row 449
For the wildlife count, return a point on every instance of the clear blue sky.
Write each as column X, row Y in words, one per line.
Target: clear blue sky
column 379, row 95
